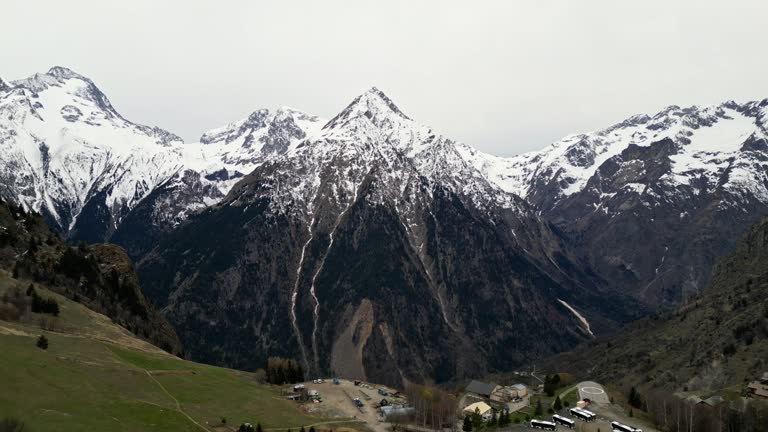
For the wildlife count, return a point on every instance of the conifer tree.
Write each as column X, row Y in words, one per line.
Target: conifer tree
column 467, row 427
column 477, row 420
column 558, row 404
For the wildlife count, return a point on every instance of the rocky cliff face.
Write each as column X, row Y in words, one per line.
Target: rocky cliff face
column 654, row 200
column 374, row 249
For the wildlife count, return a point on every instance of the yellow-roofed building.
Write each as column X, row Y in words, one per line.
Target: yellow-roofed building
column 483, row 408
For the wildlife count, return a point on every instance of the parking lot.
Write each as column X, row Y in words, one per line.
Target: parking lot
column 337, row 402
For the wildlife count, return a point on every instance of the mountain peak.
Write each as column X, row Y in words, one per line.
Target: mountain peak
column 63, row 72
column 4, row 86
column 374, row 96
column 372, row 104
column 54, row 78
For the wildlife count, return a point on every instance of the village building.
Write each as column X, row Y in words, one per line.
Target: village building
column 508, row 393
column 758, row 389
column 520, row 389
column 481, row 408
column 502, row 395
column 396, row 412
column 482, row 389
column 713, row 401
column 695, row 400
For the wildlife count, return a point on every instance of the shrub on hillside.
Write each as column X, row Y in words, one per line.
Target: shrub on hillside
column 42, row 342
column 9, row 312
column 44, row 305
column 13, row 304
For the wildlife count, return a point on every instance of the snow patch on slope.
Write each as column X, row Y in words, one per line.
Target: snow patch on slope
column 580, row 317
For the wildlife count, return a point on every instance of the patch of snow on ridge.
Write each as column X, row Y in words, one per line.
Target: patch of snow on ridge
column 707, row 138
column 579, row 317
column 711, row 149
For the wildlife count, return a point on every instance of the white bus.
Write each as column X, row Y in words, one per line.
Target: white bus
column 616, row 426
column 565, row 421
column 583, row 414
column 543, row 424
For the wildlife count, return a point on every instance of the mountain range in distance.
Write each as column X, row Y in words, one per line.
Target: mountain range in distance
column 371, row 245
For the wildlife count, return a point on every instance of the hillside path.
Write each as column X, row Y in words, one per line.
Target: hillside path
column 178, row 405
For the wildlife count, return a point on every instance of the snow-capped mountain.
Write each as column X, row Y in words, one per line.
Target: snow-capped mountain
column 67, row 153
column 372, row 245
column 653, row 200
column 374, row 249
column 708, row 142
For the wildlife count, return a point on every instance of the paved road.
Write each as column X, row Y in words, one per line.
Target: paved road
column 565, row 393
column 594, row 392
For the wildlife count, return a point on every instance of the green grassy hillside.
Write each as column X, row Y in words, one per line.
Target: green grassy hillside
column 96, row 375
column 100, row 276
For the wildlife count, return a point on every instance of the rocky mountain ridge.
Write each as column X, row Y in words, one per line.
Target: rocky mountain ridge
column 320, row 239
column 68, row 154
column 653, row 200
column 386, row 251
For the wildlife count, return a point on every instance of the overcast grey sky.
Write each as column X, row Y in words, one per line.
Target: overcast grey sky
column 503, row 76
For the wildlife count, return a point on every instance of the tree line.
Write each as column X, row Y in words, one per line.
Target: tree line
column 281, row 371
column 13, row 304
column 433, row 407
column 670, row 413
column 42, row 305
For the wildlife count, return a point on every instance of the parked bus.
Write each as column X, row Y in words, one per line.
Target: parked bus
column 616, row 426
column 543, row 424
column 583, row 414
column 565, row 421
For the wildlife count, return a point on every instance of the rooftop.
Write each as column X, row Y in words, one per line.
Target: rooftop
column 714, row 400
column 481, row 407
column 481, row 388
